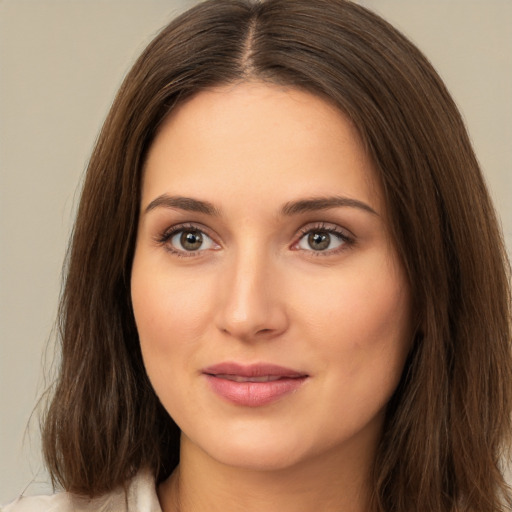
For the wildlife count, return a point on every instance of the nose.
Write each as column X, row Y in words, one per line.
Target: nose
column 250, row 301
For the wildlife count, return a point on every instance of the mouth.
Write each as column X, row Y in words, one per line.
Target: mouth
column 240, row 378
column 253, row 385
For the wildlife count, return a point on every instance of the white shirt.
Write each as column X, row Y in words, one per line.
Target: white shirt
column 139, row 495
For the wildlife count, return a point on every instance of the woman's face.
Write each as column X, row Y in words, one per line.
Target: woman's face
column 272, row 308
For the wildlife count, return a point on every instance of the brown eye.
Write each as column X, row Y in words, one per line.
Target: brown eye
column 318, row 240
column 191, row 240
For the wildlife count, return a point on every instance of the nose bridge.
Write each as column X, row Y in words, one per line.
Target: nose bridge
column 250, row 304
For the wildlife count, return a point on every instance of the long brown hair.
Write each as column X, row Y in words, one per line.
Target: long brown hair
column 448, row 422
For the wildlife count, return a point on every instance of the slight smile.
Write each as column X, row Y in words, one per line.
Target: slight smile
column 252, row 385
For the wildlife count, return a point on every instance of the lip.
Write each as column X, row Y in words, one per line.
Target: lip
column 253, row 385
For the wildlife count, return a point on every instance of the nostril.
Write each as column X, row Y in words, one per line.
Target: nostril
column 264, row 331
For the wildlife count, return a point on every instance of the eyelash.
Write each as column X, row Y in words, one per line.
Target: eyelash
column 346, row 240
column 168, row 234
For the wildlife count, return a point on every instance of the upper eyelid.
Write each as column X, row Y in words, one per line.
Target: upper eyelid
column 326, row 226
column 347, row 237
column 176, row 228
column 331, row 227
column 164, row 237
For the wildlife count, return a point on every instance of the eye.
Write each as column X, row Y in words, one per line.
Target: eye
column 183, row 240
column 323, row 239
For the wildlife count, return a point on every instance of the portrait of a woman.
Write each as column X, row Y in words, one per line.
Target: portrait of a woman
column 286, row 289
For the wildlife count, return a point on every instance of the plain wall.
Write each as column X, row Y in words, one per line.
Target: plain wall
column 60, row 65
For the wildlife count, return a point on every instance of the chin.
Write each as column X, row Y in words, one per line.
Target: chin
column 254, row 450
column 258, row 457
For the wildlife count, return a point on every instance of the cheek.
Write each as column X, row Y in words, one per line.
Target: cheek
column 372, row 296
column 169, row 324
column 361, row 319
column 363, row 328
column 165, row 304
column 170, row 314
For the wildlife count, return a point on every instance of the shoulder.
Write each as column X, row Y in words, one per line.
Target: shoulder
column 139, row 495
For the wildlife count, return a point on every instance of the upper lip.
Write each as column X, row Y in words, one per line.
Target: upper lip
column 252, row 370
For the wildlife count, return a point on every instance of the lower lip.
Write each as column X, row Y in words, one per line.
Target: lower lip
column 254, row 394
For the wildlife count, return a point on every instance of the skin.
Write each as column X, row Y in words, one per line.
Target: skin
column 258, row 291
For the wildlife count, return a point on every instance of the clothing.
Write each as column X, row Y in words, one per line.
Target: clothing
column 139, row 495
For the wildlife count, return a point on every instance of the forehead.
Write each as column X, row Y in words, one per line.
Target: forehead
column 255, row 139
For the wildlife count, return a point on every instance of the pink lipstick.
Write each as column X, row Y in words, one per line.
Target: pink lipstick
column 252, row 385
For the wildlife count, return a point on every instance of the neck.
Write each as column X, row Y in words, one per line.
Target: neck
column 333, row 482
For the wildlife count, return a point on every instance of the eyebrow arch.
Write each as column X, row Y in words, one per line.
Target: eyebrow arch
column 323, row 203
column 182, row 203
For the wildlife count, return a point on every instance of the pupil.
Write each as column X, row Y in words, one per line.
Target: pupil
column 191, row 240
column 319, row 240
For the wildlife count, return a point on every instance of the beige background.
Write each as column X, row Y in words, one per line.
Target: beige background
column 61, row 62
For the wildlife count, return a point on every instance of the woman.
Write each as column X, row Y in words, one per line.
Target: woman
column 284, row 244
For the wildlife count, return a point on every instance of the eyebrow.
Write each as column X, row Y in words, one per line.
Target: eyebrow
column 291, row 208
column 183, row 203
column 324, row 203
